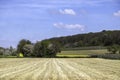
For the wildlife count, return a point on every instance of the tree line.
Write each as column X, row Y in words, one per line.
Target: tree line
column 26, row 48
column 39, row 49
column 103, row 38
column 7, row 51
column 50, row 47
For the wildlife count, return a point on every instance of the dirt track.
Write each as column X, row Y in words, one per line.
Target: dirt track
column 59, row 69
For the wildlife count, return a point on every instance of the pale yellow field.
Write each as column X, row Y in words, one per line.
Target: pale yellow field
column 59, row 69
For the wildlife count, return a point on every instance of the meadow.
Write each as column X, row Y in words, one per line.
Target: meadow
column 81, row 53
column 59, row 69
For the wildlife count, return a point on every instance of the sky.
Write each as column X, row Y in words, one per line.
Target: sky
column 42, row 19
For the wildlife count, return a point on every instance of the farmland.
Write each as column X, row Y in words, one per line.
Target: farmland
column 81, row 53
column 59, row 69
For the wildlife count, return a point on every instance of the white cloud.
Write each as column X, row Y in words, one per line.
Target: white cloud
column 69, row 26
column 117, row 13
column 67, row 11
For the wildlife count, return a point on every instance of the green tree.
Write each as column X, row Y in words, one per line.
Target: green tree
column 46, row 49
column 119, row 49
column 113, row 49
column 28, row 50
column 37, row 50
column 21, row 44
column 12, row 51
column 50, row 48
column 2, row 51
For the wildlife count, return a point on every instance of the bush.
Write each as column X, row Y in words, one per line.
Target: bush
column 20, row 55
column 106, row 56
column 114, row 49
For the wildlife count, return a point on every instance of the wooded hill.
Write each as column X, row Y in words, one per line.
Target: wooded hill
column 103, row 38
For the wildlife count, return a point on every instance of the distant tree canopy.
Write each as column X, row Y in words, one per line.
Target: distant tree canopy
column 1, row 50
column 40, row 49
column 114, row 49
column 28, row 50
column 21, row 45
column 46, row 49
column 8, row 51
column 104, row 38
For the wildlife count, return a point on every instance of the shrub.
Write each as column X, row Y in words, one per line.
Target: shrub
column 113, row 49
column 20, row 55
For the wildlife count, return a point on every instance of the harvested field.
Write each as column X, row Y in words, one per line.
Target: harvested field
column 59, row 69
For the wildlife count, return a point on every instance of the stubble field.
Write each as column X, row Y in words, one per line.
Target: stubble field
column 59, row 69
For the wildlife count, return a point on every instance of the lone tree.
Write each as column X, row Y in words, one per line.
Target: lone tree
column 46, row 49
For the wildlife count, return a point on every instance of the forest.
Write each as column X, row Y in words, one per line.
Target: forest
column 103, row 38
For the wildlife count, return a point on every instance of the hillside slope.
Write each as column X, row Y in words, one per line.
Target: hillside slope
column 104, row 38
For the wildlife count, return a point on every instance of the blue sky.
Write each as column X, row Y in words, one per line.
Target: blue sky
column 40, row 19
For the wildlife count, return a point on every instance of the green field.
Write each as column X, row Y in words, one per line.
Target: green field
column 81, row 53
